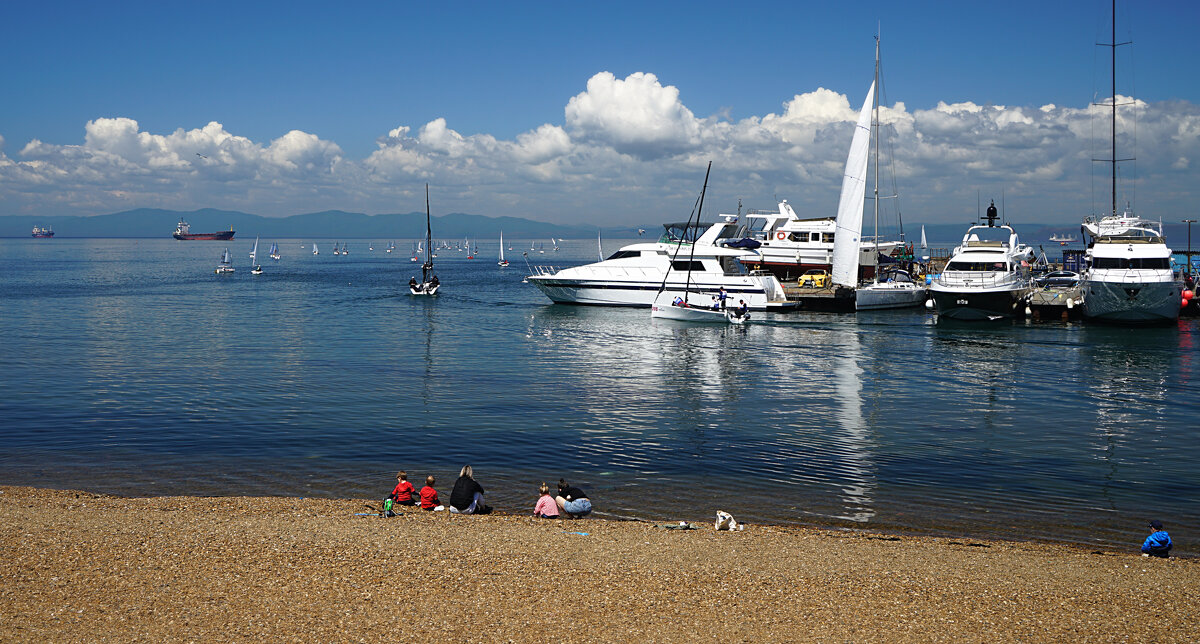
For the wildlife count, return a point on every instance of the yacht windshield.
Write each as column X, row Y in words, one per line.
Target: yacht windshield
column 1158, row 263
column 976, row 266
column 682, row 231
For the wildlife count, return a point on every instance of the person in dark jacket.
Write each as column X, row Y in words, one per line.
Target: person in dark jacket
column 467, row 496
column 1158, row 544
column 572, row 500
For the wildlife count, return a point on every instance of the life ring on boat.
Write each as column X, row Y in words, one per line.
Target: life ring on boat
column 781, row 235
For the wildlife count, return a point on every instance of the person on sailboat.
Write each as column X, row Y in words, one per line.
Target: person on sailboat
column 572, row 500
column 722, row 295
column 412, row 282
column 467, row 495
column 434, row 282
column 742, row 309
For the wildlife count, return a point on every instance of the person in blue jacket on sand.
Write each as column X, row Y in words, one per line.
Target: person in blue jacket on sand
column 1158, row 544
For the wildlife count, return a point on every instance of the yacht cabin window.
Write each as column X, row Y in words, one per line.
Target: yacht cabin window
column 977, row 266
column 685, row 265
column 622, row 254
column 1161, row 263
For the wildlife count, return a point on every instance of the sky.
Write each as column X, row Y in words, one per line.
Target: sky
column 583, row 113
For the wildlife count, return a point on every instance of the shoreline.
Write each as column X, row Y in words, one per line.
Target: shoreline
column 78, row 565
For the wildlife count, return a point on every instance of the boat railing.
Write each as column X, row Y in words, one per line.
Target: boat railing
column 545, row 270
column 982, row 279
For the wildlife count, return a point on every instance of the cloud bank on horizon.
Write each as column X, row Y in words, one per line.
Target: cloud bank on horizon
column 629, row 152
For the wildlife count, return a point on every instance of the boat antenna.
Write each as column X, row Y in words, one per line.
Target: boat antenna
column 1113, row 158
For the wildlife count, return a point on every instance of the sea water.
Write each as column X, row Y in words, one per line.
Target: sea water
column 129, row 367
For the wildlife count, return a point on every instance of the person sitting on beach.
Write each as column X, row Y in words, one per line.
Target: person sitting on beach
column 572, row 500
column 467, row 495
column 546, row 507
column 429, row 498
column 1158, row 544
column 402, row 494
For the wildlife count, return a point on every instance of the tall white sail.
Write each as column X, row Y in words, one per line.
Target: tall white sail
column 846, row 240
column 254, row 252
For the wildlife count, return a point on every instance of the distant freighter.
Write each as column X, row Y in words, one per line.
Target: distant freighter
column 182, row 231
column 44, row 233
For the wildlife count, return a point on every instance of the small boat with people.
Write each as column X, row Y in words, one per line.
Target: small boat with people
column 680, row 307
column 429, row 283
column 255, row 267
column 987, row 276
column 226, row 265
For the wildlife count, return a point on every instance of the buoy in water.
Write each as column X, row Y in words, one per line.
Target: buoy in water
column 929, row 304
column 1187, row 295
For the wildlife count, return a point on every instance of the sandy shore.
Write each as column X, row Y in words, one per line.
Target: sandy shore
column 84, row 567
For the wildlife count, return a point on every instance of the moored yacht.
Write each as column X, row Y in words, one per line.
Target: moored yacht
column 636, row 273
column 987, row 277
column 1128, row 277
column 789, row 245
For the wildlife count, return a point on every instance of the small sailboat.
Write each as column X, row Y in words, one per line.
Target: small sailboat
column 417, row 253
column 390, row 247
column 599, row 247
column 274, row 251
column 226, row 265
column 371, row 247
column 315, row 251
column 255, row 267
column 680, row 308
column 429, row 284
column 336, row 251
column 502, row 262
column 345, row 250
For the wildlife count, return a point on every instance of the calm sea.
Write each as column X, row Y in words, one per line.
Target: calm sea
column 128, row 366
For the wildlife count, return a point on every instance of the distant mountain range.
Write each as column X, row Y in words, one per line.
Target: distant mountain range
column 156, row 223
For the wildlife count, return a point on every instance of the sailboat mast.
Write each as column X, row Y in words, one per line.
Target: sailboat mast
column 1114, row 108
column 875, row 133
column 687, row 282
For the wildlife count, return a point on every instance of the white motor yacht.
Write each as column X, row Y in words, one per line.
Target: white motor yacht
column 634, row 275
column 987, row 277
column 1128, row 277
column 790, row 246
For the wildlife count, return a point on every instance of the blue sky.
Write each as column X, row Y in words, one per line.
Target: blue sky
column 579, row 113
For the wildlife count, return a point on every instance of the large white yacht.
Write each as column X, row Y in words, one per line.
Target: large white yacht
column 791, row 245
column 633, row 275
column 1127, row 276
column 987, row 277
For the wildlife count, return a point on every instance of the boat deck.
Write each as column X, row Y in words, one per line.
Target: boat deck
column 1051, row 303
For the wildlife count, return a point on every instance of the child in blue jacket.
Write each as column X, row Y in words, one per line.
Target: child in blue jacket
column 1158, row 544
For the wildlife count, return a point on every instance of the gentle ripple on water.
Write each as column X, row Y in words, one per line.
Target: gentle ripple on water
column 130, row 367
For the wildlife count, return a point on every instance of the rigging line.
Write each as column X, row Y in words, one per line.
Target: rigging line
column 678, row 243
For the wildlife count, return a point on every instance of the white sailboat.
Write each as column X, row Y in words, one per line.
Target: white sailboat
column 429, row 284
column 924, row 245
column 599, row 247
column 892, row 287
column 274, row 251
column 336, row 251
column 345, row 250
column 226, row 265
column 502, row 262
column 682, row 308
column 255, row 267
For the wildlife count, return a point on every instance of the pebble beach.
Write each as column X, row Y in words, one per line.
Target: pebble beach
column 78, row 566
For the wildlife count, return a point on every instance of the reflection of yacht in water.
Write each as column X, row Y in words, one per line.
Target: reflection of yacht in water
column 634, row 275
column 987, row 277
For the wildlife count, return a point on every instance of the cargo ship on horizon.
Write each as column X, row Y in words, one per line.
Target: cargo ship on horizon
column 43, row 233
column 183, row 231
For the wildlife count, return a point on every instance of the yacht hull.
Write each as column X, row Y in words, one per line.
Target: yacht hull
column 1132, row 302
column 641, row 294
column 889, row 296
column 978, row 305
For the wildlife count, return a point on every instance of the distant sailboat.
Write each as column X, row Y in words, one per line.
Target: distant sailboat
column 336, row 251
column 255, row 267
column 226, row 265
column 315, row 252
column 599, row 247
column 371, row 247
column 345, row 251
column 924, row 245
column 274, row 251
column 502, row 262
